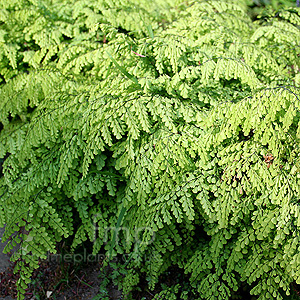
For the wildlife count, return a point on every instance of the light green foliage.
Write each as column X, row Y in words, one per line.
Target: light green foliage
column 180, row 118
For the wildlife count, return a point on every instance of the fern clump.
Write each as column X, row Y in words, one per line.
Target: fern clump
column 175, row 124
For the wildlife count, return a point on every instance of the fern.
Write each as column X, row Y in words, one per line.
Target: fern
column 175, row 124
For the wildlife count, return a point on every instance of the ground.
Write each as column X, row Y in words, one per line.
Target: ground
column 56, row 280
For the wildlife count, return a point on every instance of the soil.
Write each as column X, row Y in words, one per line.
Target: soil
column 4, row 259
column 4, row 262
column 54, row 280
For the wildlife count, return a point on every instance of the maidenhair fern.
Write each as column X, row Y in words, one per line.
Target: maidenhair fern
column 178, row 122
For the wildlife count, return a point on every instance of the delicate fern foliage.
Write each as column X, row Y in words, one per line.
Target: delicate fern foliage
column 176, row 122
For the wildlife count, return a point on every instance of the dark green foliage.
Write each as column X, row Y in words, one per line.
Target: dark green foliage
column 175, row 123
